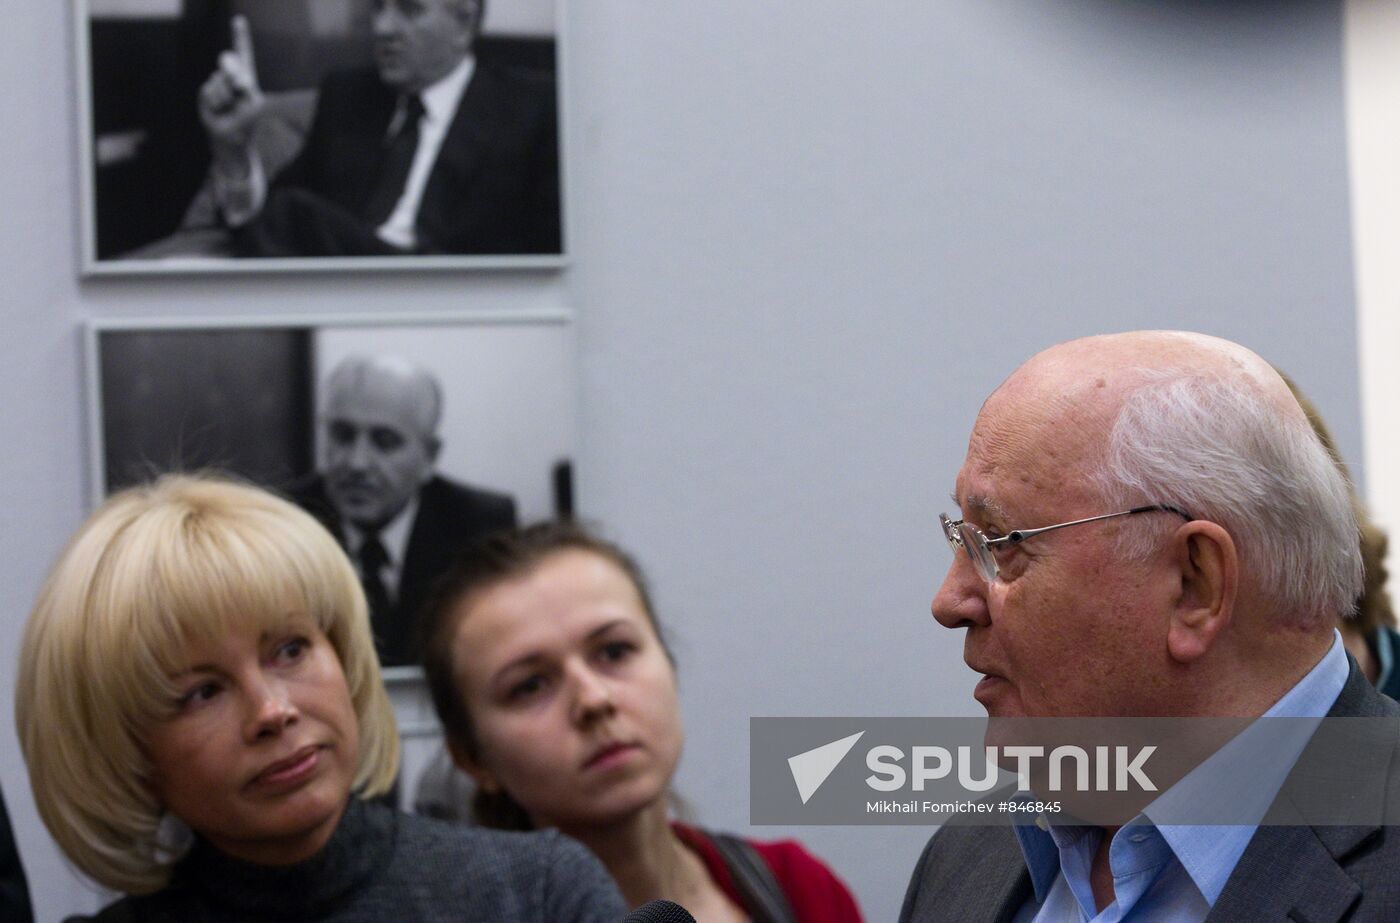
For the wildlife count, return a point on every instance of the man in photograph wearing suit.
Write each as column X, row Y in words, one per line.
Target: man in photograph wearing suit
column 400, row 523
column 1218, row 547
column 430, row 151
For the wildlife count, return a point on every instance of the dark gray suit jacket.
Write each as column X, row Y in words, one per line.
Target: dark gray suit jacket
column 1317, row 874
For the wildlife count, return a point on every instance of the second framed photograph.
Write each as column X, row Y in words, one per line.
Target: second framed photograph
column 407, row 441
column 237, row 135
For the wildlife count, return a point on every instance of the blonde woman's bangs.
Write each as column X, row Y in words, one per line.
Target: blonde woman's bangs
column 187, row 573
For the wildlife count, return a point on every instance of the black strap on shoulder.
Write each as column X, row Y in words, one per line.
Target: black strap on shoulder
column 763, row 896
column 14, row 892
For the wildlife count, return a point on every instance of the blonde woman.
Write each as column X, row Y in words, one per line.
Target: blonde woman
column 202, row 715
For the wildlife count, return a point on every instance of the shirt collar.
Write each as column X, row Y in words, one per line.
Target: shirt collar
column 1040, row 846
column 1207, row 853
column 393, row 535
column 440, row 99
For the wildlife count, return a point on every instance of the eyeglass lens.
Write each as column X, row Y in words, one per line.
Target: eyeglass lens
column 960, row 533
column 979, row 552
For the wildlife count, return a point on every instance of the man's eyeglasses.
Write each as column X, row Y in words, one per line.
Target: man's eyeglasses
column 979, row 548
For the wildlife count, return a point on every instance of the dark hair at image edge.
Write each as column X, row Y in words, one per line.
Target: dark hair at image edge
column 497, row 559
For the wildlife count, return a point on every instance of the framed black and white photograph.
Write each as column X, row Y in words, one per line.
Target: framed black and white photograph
column 406, row 441
column 255, row 135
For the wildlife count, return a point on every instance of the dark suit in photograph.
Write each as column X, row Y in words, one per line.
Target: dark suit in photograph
column 450, row 517
column 1322, row 874
column 493, row 188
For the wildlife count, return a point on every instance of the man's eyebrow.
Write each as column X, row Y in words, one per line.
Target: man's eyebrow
column 981, row 504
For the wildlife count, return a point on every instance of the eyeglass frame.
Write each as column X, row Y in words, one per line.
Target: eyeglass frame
column 952, row 531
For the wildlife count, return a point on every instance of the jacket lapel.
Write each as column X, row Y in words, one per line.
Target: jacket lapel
column 992, row 891
column 981, row 876
column 1003, row 897
column 1293, row 869
column 1291, row 873
column 422, row 559
column 460, row 156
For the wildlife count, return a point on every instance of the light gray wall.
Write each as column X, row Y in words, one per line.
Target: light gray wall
column 810, row 241
column 807, row 240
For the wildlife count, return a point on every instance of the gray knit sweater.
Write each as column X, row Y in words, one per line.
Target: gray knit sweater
column 383, row 866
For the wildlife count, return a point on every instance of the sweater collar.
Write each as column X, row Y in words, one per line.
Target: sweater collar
column 361, row 843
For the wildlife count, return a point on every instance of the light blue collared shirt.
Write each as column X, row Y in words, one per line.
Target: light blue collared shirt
column 1171, row 872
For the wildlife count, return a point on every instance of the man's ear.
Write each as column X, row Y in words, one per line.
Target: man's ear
column 470, row 13
column 482, row 776
column 478, row 14
column 1205, row 555
column 433, row 445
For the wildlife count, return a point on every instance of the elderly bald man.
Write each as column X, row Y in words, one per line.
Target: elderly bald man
column 377, row 491
column 1186, row 544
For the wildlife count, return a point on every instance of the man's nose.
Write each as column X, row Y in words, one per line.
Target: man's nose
column 961, row 601
column 360, row 454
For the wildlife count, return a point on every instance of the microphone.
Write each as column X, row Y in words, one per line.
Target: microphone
column 659, row 912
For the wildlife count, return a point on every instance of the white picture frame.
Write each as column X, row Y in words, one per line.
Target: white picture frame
column 508, row 380
column 117, row 209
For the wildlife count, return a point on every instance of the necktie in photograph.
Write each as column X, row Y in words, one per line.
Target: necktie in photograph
column 372, row 558
column 395, row 161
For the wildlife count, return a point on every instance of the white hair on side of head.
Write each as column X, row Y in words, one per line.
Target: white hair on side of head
column 1222, row 453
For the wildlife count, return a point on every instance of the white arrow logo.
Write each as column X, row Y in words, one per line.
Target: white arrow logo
column 810, row 769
